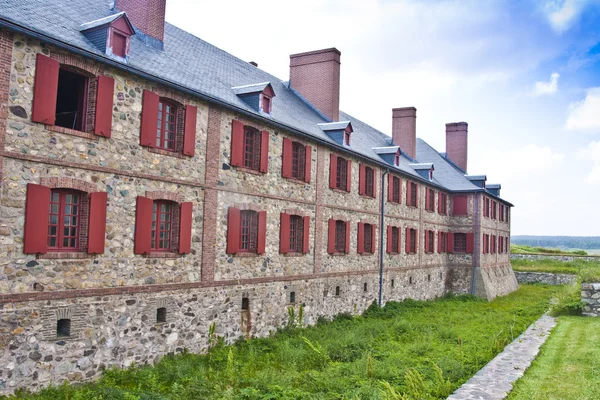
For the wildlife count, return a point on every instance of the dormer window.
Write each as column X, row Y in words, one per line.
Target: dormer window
column 119, row 44
column 397, row 160
column 110, row 35
column 347, row 133
column 266, row 104
column 339, row 132
column 257, row 96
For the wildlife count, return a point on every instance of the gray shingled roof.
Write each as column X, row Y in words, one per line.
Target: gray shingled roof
column 205, row 69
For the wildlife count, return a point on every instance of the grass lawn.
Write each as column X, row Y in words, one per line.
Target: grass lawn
column 568, row 366
column 408, row 350
column 588, row 271
column 524, row 249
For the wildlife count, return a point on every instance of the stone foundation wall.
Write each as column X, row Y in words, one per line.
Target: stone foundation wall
column 590, row 296
column 553, row 257
column 545, row 278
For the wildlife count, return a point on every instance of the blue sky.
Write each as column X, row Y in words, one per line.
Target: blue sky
column 524, row 74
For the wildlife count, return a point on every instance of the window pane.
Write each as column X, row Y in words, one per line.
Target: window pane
column 65, row 242
column 54, row 208
column 55, row 197
column 52, row 242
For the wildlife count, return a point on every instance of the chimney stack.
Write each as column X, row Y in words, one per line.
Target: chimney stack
column 147, row 16
column 456, row 143
column 316, row 76
column 404, row 130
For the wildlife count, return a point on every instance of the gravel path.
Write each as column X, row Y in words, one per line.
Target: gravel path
column 495, row 380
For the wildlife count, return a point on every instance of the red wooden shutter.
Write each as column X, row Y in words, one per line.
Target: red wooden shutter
column 45, row 89
column 262, row 232
column 389, row 246
column 150, row 102
column 449, row 242
column 332, row 170
column 306, row 233
column 307, row 163
column 233, row 230
column 286, row 158
column 284, row 233
column 390, row 188
column 427, row 199
column 104, row 106
column 331, row 237
column 237, row 144
column 347, row 237
column 360, row 246
column 426, row 241
column 439, row 247
column 407, row 238
column 37, row 205
column 97, row 223
column 399, row 190
column 185, row 228
column 375, row 179
column 349, row 176
column 399, row 240
column 189, row 135
column 264, row 151
column 143, row 225
column 361, row 178
column 373, row 243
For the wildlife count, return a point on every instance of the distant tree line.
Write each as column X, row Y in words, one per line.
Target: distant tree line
column 560, row 242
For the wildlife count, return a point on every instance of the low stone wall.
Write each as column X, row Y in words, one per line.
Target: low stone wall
column 553, row 257
column 545, row 278
column 590, row 295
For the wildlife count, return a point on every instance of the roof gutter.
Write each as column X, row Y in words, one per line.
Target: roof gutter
column 7, row 23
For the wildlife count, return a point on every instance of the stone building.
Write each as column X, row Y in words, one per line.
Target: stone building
column 153, row 184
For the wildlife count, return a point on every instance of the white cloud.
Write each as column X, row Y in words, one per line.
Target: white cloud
column 544, row 88
column 591, row 153
column 525, row 160
column 584, row 115
column 562, row 14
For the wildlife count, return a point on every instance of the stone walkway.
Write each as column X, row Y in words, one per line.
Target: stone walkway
column 495, row 380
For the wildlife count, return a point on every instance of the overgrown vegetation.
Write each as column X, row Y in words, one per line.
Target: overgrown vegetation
column 587, row 271
column 523, row 249
column 567, row 366
column 407, row 350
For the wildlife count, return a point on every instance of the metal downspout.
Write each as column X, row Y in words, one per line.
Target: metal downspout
column 475, row 245
column 381, row 230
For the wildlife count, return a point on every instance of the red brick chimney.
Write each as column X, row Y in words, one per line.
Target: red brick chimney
column 146, row 15
column 316, row 76
column 404, row 129
column 456, row 143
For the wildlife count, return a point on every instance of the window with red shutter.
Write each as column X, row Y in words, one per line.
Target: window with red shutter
column 442, row 239
column 167, row 125
column 298, row 161
column 369, row 182
column 266, row 104
column 430, row 241
column 413, row 199
column 340, row 236
column 341, row 179
column 347, row 133
column 248, row 231
column 395, row 189
column 119, row 44
column 64, row 220
column 296, row 234
column 162, row 222
column 431, row 195
column 368, row 233
column 395, row 238
column 71, row 99
column 413, row 240
column 460, row 243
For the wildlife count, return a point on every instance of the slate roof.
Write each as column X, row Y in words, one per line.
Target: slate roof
column 189, row 62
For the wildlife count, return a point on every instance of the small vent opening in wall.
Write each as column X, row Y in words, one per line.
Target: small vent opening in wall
column 161, row 314
column 337, row 290
column 365, row 287
column 63, row 327
column 410, row 280
column 245, row 303
column 292, row 297
column 429, row 278
column 392, row 283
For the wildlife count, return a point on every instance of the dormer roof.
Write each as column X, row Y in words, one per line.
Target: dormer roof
column 386, row 150
column 336, row 126
column 126, row 26
column 421, row 166
column 263, row 87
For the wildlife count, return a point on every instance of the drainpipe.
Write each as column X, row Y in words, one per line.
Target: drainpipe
column 381, row 230
column 475, row 245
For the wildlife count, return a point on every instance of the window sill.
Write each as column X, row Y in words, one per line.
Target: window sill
column 249, row 171
column 247, row 255
column 294, row 254
column 394, row 202
column 393, row 254
column 72, row 132
column 158, row 254
column 368, row 197
column 337, row 254
column 297, row 181
column 411, row 206
column 65, row 255
column 340, row 190
column 366, row 253
column 163, row 152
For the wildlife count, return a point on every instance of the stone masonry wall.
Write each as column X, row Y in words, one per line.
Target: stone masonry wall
column 545, row 278
column 590, row 296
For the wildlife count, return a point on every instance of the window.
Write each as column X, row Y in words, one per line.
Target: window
column 296, row 234
column 442, row 244
column 71, row 100
column 494, row 209
column 368, row 238
column 161, row 315
column 63, row 328
column 266, row 104
column 369, row 182
column 347, row 133
column 396, row 188
column 460, row 243
column 166, row 129
column 337, row 291
column 413, row 194
column 245, row 303
column 340, row 236
column 292, row 297
column 486, row 243
column 501, row 210
column 64, row 220
column 486, row 207
column 443, row 204
column 412, row 237
column 501, row 245
column 248, row 231
column 395, row 240
column 298, row 160
column 430, row 199
column 119, row 44
column 430, row 241
column 162, row 221
column 494, row 244
column 341, row 177
column 397, row 160
column 252, row 139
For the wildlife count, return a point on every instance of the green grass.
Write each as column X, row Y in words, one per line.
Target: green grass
column 587, row 271
column 523, row 249
column 568, row 366
column 407, row 350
